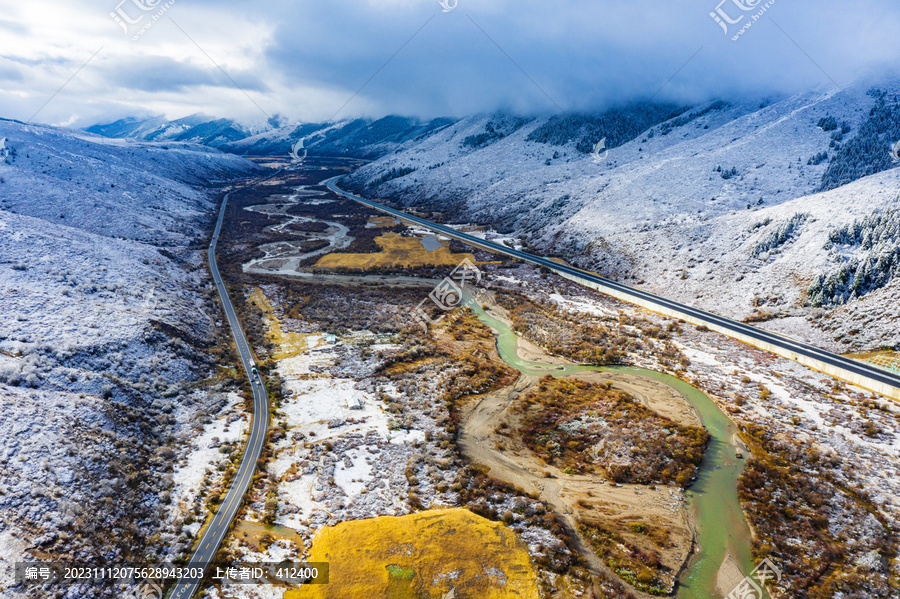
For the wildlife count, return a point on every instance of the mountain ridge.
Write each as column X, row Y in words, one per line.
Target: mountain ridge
column 603, row 189
column 698, row 207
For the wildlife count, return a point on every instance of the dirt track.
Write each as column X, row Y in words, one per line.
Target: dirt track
column 568, row 495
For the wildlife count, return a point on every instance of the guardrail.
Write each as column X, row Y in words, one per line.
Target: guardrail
column 857, row 373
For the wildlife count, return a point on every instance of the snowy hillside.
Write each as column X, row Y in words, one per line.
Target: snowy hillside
column 718, row 206
column 196, row 128
column 359, row 138
column 106, row 312
column 364, row 138
column 110, row 187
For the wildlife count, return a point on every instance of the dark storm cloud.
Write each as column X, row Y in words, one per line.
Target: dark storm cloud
column 317, row 58
column 575, row 54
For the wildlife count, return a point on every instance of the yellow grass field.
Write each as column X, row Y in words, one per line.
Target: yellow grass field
column 382, row 222
column 288, row 344
column 436, row 554
column 396, row 251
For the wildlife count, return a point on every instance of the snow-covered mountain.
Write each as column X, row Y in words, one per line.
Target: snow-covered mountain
column 196, row 128
column 145, row 192
column 361, row 138
column 728, row 206
column 105, row 311
column 364, row 138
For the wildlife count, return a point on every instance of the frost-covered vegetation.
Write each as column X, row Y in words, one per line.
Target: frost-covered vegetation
column 617, row 125
column 327, row 463
column 673, row 213
column 727, row 173
column 821, row 483
column 392, row 174
column 108, row 318
column 371, row 138
column 867, row 152
column 324, row 347
column 606, row 340
column 330, row 464
column 802, row 514
column 497, row 128
column 680, row 121
column 640, row 568
column 358, row 137
column 817, row 159
column 868, row 251
column 780, row 235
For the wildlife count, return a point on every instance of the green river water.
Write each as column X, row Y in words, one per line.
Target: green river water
column 720, row 524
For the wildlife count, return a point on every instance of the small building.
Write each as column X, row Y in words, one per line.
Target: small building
column 355, row 403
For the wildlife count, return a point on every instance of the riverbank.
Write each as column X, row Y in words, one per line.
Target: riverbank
column 577, row 499
column 836, row 439
column 710, row 525
column 574, row 498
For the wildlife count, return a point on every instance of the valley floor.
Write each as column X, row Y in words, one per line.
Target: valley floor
column 375, row 419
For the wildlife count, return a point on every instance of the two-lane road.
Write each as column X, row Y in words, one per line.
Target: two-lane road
column 216, row 530
column 785, row 346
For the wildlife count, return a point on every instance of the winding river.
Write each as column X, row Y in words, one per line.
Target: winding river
column 721, row 528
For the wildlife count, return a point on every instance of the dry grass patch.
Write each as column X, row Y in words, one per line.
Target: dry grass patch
column 382, row 222
column 288, row 344
column 585, row 427
column 432, row 554
column 396, row 252
column 632, row 552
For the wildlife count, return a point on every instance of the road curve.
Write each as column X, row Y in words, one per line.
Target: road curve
column 785, row 343
column 218, row 527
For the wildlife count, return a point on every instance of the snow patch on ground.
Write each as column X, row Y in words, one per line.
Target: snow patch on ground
column 104, row 325
column 577, row 305
column 677, row 211
column 203, row 456
column 351, row 477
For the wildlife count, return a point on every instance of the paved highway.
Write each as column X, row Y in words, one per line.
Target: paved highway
column 217, row 529
column 775, row 339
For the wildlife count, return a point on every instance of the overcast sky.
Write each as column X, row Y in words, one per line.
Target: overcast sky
column 307, row 59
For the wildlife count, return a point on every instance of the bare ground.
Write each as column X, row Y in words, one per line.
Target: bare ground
column 580, row 497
